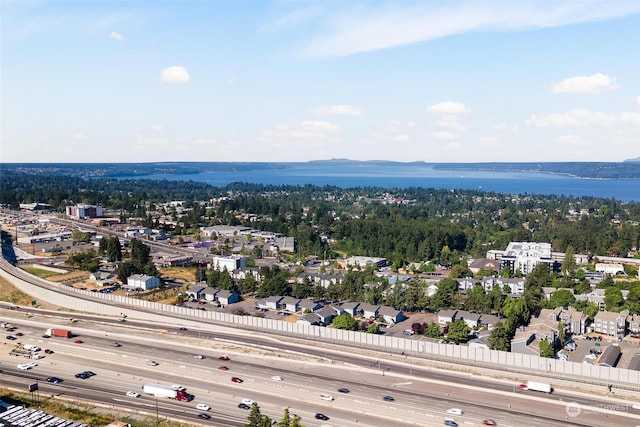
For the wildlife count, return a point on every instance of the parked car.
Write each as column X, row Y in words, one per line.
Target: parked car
column 132, row 394
column 203, row 406
column 322, row 417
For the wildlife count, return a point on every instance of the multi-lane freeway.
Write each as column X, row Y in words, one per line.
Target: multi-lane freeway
column 421, row 393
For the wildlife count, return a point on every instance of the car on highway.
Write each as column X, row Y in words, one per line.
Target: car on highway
column 276, row 378
column 78, row 341
column 223, row 358
column 322, row 417
column 489, row 423
column 199, row 356
column 132, row 394
column 48, row 351
column 326, row 397
column 247, row 402
column 24, row 366
column 244, row 406
column 236, row 380
column 152, row 363
column 116, row 344
column 90, row 373
column 11, row 338
column 204, row 416
column 388, row 398
column 54, row 380
column 454, row 411
column 82, row 376
column 203, row 406
column 343, row 390
column 450, row 423
column 182, row 329
column 223, row 368
column 19, row 334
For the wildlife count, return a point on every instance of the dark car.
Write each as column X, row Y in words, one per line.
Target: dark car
column 11, row 338
column 19, row 334
column 54, row 380
column 89, row 373
column 343, row 390
column 204, row 416
column 182, row 329
column 488, row 423
column 322, row 417
column 48, row 351
column 83, row 376
column 236, row 380
column 223, row 368
column 244, row 406
column 450, row 423
column 388, row 398
column 223, row 358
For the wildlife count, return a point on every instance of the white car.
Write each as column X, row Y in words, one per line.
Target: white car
column 276, row 378
column 24, row 366
column 199, row 356
column 454, row 411
column 247, row 402
column 203, row 407
column 152, row 363
column 133, row 394
column 327, row 397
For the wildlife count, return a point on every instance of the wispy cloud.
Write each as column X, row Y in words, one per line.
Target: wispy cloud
column 364, row 28
column 576, row 118
column 116, row 36
column 175, row 74
column 448, row 107
column 596, row 83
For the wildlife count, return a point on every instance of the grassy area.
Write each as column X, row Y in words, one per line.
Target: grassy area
column 40, row 272
column 9, row 293
column 81, row 412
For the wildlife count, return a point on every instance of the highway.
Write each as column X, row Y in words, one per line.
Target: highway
column 422, row 393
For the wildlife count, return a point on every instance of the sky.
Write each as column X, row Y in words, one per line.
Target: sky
column 294, row 81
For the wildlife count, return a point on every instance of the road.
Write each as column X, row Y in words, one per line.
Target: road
column 422, row 394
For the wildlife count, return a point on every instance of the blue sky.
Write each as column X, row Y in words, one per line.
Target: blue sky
column 435, row 81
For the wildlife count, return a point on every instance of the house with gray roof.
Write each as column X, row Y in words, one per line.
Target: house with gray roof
column 472, row 320
column 210, row 294
column 270, row 303
column 446, row 316
column 369, row 311
column 351, row 307
column 227, row 297
column 195, row 291
column 309, row 304
column 326, row 314
column 290, row 304
column 390, row 314
column 610, row 356
column 310, row 319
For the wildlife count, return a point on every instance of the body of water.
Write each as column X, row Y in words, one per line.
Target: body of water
column 409, row 175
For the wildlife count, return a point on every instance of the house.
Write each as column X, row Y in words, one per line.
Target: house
column 610, row 269
column 611, row 323
column 351, row 307
column 466, row 284
column 574, row 321
column 634, row 326
column 326, row 314
column 290, row 304
column 195, row 291
column 610, row 356
column 390, row 314
column 229, row 263
column 309, row 304
column 596, row 297
column 270, row 303
column 227, row 297
column 484, row 264
column 446, row 316
column 489, row 320
column 369, row 311
column 472, row 320
column 635, row 363
column 142, row 281
column 285, row 244
column 99, row 276
column 361, row 262
column 310, row 319
column 210, row 294
column 542, row 328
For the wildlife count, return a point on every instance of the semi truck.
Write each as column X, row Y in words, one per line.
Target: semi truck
column 160, row 390
column 537, row 386
column 64, row 333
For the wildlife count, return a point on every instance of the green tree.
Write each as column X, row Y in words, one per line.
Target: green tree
column 256, row 419
column 113, row 249
column 442, row 298
column 569, row 265
column 613, row 300
column 373, row 328
column 78, row 236
column 546, row 350
column 590, row 309
column 500, row 339
column 345, row 321
column 458, row 331
column 562, row 336
column 433, row 330
column 562, row 298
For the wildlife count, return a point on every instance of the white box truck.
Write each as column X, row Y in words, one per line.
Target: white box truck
column 160, row 390
column 538, row 386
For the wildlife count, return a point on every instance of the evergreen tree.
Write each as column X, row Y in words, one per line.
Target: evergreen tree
column 500, row 339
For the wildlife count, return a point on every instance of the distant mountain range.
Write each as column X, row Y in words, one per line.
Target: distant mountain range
column 629, row 169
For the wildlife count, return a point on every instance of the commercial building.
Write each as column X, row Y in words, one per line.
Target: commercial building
column 525, row 256
column 82, row 211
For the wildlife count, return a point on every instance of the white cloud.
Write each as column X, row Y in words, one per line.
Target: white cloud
column 596, row 83
column 448, row 107
column 443, row 135
column 356, row 28
column 310, row 132
column 575, row 118
column 116, row 36
column 175, row 74
column 338, row 110
column 452, row 124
